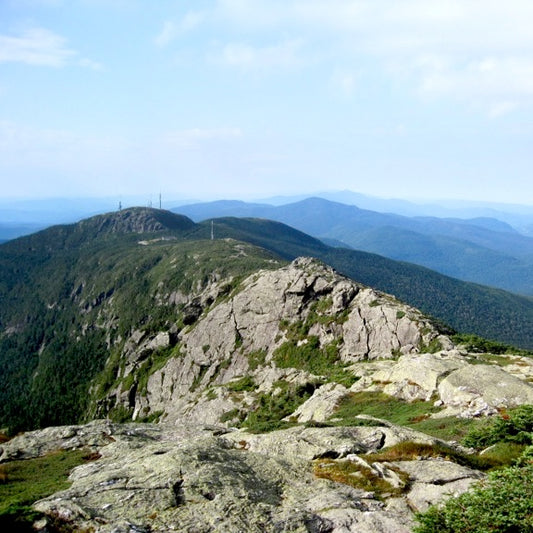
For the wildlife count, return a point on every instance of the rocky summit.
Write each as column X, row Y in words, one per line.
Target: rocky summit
column 290, row 327
column 157, row 478
column 305, row 329
column 260, row 390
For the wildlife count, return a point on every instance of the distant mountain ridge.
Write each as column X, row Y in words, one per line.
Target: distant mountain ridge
column 23, row 216
column 481, row 250
column 520, row 216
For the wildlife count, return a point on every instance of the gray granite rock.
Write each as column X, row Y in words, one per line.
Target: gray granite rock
column 158, row 478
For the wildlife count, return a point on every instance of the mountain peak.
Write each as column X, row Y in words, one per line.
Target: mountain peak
column 137, row 220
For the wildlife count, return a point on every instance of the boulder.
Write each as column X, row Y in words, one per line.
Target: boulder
column 435, row 480
column 417, row 376
column 322, row 404
column 40, row 442
column 475, row 390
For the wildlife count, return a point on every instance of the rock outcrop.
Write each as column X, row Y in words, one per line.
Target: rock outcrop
column 482, row 389
column 303, row 305
column 135, row 220
column 160, row 478
column 302, row 325
column 451, row 380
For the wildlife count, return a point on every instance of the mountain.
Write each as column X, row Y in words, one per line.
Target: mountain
column 287, row 396
column 53, row 285
column 20, row 217
column 481, row 250
column 520, row 217
column 71, row 293
column 491, row 313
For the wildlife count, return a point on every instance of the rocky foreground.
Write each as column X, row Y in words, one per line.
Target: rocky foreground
column 156, row 478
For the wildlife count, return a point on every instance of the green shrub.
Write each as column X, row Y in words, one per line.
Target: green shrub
column 256, row 359
column 447, row 428
column 120, row 413
column 503, row 453
column 198, row 378
column 151, row 418
column 515, row 425
column 476, row 344
column 504, row 502
column 231, row 415
column 272, row 408
column 290, row 355
column 526, row 457
column 246, row 383
column 316, row 359
column 433, row 346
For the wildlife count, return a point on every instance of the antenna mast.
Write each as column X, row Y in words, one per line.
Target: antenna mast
column 212, row 231
column 159, row 200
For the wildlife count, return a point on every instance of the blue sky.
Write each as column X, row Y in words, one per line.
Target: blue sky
column 247, row 99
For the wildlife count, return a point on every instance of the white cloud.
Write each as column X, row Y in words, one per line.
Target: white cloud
column 33, row 3
column 497, row 85
column 172, row 30
column 191, row 20
column 57, row 160
column 35, row 47
column 41, row 47
column 501, row 108
column 89, row 63
column 344, row 82
column 20, row 144
column 167, row 34
column 192, row 138
column 483, row 47
column 284, row 55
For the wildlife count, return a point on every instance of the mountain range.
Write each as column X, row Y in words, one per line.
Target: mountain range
column 70, row 292
column 221, row 376
column 481, row 250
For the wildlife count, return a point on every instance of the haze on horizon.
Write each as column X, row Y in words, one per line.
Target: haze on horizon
column 256, row 98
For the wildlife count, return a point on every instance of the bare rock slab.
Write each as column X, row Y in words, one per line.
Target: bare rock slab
column 482, row 389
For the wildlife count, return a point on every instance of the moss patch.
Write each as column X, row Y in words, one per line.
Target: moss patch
column 381, row 406
column 24, row 482
column 355, row 475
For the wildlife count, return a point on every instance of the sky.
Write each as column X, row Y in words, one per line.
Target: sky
column 212, row 99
